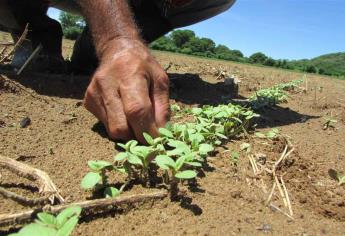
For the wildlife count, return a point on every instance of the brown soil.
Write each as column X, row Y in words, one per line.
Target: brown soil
column 228, row 199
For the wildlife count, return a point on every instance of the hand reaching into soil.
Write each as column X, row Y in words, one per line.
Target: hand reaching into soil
column 129, row 92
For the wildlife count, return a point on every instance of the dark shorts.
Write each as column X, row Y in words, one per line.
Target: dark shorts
column 178, row 13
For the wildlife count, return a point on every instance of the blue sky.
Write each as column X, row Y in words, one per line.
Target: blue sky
column 289, row 29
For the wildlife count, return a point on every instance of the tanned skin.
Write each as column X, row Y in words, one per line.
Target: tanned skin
column 129, row 91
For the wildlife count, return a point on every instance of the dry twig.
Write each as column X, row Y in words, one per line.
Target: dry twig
column 88, row 207
column 47, row 187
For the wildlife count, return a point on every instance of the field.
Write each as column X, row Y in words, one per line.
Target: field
column 229, row 197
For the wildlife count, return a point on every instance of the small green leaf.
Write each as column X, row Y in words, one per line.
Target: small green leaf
column 165, row 162
column 68, row 227
column 166, row 133
column 194, row 163
column 98, row 165
column 187, row 174
column 121, row 156
column 196, row 111
column 204, row 149
column 46, row 218
column 111, row 192
column 179, row 162
column 134, row 160
column 35, row 229
column 245, row 147
column 260, row 135
column 123, row 146
column 66, row 214
column 90, row 180
column 148, row 138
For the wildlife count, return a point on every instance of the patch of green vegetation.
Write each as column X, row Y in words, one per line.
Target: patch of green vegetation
column 338, row 176
column 49, row 225
column 178, row 152
column 269, row 97
column 186, row 42
column 273, row 133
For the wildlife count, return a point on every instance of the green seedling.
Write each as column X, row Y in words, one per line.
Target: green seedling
column 246, row 147
column 49, row 225
column 270, row 97
column 340, row 177
column 97, row 178
column 235, row 157
column 330, row 123
column 272, row 134
column 175, row 167
column 136, row 158
column 179, row 150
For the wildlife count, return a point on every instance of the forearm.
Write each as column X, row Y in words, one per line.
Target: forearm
column 108, row 20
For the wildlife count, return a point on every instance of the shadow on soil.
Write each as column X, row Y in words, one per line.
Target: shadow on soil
column 186, row 88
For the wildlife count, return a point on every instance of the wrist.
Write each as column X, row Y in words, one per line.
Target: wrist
column 118, row 45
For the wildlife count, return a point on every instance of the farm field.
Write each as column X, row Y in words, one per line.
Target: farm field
column 229, row 196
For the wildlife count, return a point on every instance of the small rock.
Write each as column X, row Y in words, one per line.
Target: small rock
column 266, row 228
column 236, row 194
column 25, row 122
column 2, row 124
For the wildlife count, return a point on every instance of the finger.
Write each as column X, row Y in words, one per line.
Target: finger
column 118, row 127
column 94, row 104
column 138, row 107
column 160, row 98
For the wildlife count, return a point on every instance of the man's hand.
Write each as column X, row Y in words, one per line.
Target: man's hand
column 129, row 92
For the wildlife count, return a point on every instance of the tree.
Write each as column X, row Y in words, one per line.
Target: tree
column 269, row 62
column 237, row 53
column 164, row 44
column 258, row 57
column 181, row 37
column 72, row 25
column 310, row 69
column 222, row 49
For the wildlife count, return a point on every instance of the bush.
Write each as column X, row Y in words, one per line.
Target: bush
column 72, row 32
column 72, row 25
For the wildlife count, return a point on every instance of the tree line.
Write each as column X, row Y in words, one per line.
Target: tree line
column 186, row 42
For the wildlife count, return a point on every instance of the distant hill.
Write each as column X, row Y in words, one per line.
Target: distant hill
column 328, row 64
column 333, row 63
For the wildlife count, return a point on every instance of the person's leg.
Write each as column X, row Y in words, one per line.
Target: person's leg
column 149, row 20
column 193, row 11
column 154, row 18
column 41, row 30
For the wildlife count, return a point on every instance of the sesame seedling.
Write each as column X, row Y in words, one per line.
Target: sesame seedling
column 49, row 225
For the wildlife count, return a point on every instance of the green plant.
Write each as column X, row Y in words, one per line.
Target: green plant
column 269, row 97
column 273, row 133
column 50, row 225
column 336, row 175
column 329, row 123
column 97, row 178
column 235, row 156
column 177, row 153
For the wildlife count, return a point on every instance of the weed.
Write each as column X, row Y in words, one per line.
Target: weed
column 235, row 157
column 329, row 123
column 336, row 175
column 272, row 134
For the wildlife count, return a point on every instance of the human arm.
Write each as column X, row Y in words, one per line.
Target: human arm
column 129, row 90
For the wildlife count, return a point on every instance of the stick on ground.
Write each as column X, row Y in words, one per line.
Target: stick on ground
column 47, row 187
column 87, row 206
